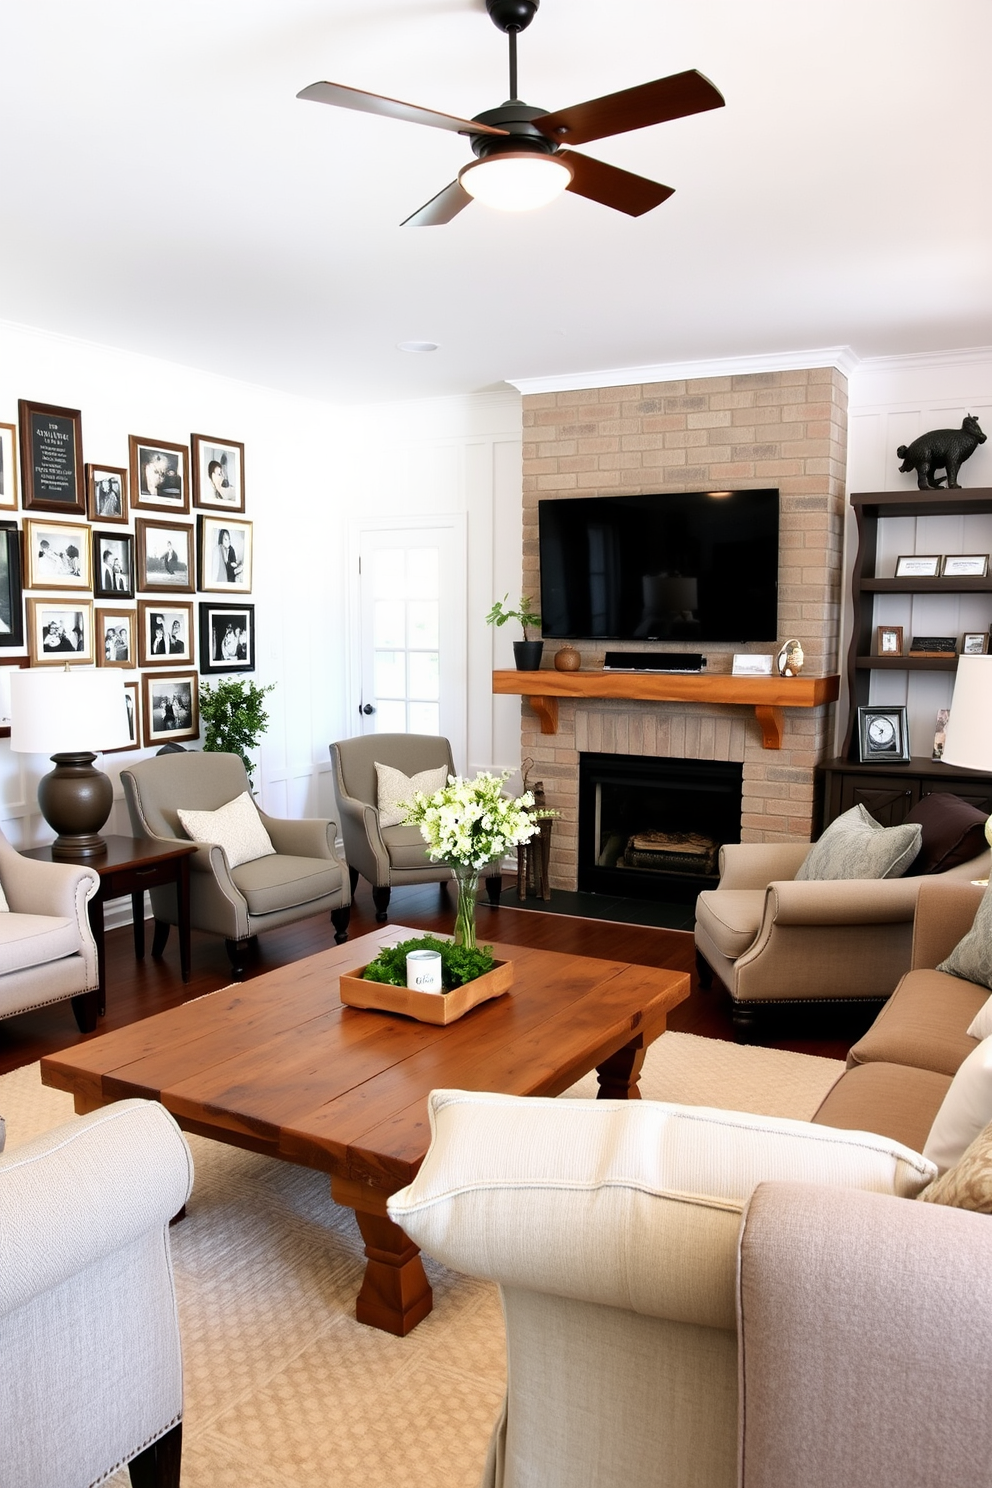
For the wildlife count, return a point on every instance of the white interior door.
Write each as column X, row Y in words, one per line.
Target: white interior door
column 411, row 622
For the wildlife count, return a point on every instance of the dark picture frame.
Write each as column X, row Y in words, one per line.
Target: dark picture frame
column 11, row 587
column 157, row 570
column 106, row 493
column 164, row 692
column 164, row 615
column 132, row 702
column 8, row 467
column 57, row 555
column 218, row 473
column 227, row 638
column 159, row 475
column 109, row 623
column 883, row 734
column 108, row 572
column 51, row 458
column 66, row 625
column 7, row 661
column 223, row 548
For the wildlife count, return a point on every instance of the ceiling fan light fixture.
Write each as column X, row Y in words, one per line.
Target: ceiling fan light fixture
column 517, row 181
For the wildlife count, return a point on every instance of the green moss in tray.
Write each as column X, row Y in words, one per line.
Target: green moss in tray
column 459, row 964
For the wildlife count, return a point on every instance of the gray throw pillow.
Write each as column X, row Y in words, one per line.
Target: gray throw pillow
column 857, row 846
column 971, row 958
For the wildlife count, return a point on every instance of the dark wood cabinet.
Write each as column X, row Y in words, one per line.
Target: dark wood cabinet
column 889, row 792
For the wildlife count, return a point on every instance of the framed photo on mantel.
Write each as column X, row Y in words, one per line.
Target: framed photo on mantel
column 51, row 458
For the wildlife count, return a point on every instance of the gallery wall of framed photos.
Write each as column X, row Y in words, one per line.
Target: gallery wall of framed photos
column 101, row 562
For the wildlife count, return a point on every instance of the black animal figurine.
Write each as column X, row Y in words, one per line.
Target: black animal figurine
column 941, row 449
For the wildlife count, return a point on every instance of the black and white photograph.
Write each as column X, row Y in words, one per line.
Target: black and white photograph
column 158, row 474
column 60, row 631
column 227, row 638
column 165, row 633
column 165, row 556
column 224, row 556
column 170, row 707
column 11, row 605
column 115, row 638
column 131, row 731
column 975, row 643
column 106, row 493
column 218, row 473
column 58, row 555
column 113, row 565
column 8, row 467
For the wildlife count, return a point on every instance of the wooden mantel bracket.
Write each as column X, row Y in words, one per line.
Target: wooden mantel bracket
column 768, row 696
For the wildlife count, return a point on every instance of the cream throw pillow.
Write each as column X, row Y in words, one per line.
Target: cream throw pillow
column 3, row 902
column 236, row 827
column 968, row 1185
column 394, row 790
column 981, row 1024
column 964, row 1111
column 857, row 846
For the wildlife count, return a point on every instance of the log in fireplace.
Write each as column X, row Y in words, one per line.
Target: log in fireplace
column 652, row 827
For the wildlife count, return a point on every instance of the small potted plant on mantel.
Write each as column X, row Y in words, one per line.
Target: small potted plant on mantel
column 526, row 653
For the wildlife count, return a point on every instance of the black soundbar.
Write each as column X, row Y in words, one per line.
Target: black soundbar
column 653, row 661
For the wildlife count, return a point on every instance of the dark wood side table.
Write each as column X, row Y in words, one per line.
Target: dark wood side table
column 130, row 866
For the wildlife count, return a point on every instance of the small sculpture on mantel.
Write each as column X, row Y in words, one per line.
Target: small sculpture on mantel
column 790, row 659
column 941, row 449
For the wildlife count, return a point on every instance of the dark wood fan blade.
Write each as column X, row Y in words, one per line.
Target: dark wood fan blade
column 634, row 108
column 441, row 208
column 373, row 103
column 615, row 188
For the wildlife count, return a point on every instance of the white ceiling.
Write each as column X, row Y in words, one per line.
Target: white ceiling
column 162, row 190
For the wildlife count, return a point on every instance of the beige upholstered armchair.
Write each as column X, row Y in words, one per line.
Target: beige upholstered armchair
column 92, row 1368
column 388, row 855
column 47, row 950
column 303, row 876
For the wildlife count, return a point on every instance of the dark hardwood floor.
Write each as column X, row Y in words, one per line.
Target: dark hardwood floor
column 136, row 989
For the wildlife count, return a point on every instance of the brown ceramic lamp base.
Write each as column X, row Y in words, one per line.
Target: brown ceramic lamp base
column 75, row 800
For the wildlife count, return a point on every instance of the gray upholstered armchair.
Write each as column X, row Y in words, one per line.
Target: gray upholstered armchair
column 92, row 1375
column 47, row 950
column 303, row 877
column 388, row 855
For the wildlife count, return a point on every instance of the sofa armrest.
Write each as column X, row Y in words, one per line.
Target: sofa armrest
column 753, row 865
column 304, row 838
column 84, row 1191
column 363, row 845
column 944, row 913
column 34, row 887
column 842, row 901
column 630, row 1204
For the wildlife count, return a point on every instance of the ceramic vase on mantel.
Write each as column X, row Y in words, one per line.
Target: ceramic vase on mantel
column 527, row 655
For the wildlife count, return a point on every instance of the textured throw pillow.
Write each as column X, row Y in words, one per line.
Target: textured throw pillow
column 971, row 958
column 965, row 1110
column 236, row 827
column 953, row 832
column 856, row 846
column 395, row 788
column 968, row 1185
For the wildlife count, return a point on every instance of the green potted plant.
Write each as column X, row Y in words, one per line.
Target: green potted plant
column 234, row 717
column 526, row 653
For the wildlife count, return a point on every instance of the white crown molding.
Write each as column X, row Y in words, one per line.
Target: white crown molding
column 922, row 361
column 841, row 357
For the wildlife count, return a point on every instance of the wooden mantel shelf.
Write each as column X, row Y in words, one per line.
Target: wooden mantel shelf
column 766, row 695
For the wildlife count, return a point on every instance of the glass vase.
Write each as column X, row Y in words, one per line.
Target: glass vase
column 467, row 883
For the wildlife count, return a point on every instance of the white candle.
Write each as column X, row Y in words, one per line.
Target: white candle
column 423, row 971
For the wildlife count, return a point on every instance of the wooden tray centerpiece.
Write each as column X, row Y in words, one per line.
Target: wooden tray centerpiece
column 426, row 1007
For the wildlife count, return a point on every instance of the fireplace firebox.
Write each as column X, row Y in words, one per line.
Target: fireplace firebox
column 652, row 827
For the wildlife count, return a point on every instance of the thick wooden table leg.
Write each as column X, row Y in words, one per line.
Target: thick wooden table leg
column 395, row 1294
column 618, row 1075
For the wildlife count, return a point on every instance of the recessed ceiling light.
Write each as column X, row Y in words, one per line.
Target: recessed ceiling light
column 416, row 346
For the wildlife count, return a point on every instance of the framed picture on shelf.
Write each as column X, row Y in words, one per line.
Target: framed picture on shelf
column 164, row 556
column 975, row 643
column 218, row 473
column 888, row 640
column 224, row 555
column 115, row 638
column 227, row 638
column 6, row 664
column 159, row 476
column 113, row 565
column 60, row 631
column 8, row 467
column 940, row 733
column 11, row 603
column 58, row 555
column 976, row 565
column 918, row 566
column 165, row 633
column 51, row 458
column 106, row 493
column 883, row 734
column 170, row 707
column 131, row 733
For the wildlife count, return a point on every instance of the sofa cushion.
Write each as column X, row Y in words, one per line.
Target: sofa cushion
column 923, row 1024
column 731, row 918
column 31, row 939
column 284, row 881
column 891, row 1099
column 236, row 827
column 953, row 832
column 857, row 846
column 406, row 847
column 395, row 790
column 964, row 1111
column 971, row 958
column 968, row 1184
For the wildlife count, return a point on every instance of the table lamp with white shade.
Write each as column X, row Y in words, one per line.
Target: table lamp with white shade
column 968, row 736
column 71, row 715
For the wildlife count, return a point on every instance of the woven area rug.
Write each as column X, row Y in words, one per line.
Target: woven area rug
column 284, row 1389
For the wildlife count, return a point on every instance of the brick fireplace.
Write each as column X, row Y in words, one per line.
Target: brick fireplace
column 786, row 429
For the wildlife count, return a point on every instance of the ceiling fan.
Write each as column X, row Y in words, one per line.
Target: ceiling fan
column 520, row 160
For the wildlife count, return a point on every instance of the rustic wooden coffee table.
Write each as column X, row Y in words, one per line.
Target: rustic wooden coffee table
column 278, row 1065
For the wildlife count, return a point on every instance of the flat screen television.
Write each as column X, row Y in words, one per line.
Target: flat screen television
column 697, row 566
